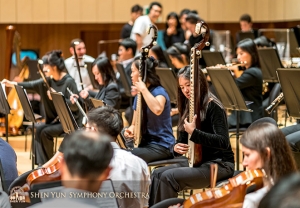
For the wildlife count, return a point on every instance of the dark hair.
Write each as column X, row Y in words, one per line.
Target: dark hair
column 249, row 46
column 107, row 119
column 54, row 58
column 129, row 43
column 105, row 68
column 178, row 49
column 183, row 102
column 136, row 8
column 184, row 11
column 152, row 78
column 173, row 14
column 75, row 40
column 194, row 11
column 192, row 18
column 159, row 54
column 261, row 135
column 155, row 3
column 246, row 17
column 88, row 154
column 284, row 194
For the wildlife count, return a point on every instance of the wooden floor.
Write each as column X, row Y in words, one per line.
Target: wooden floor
column 24, row 163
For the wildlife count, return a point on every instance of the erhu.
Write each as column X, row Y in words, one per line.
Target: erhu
column 143, row 75
column 195, row 150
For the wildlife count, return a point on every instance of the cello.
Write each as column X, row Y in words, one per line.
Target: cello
column 195, row 151
column 230, row 193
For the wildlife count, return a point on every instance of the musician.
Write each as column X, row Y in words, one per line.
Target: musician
column 136, row 11
column 213, row 136
column 157, row 53
column 126, row 177
column 182, row 17
column 106, row 78
column 246, row 26
column 60, row 81
column 249, row 82
column 139, row 31
column 173, row 33
column 84, row 166
column 157, row 133
column 179, row 54
column 72, row 66
column 264, row 146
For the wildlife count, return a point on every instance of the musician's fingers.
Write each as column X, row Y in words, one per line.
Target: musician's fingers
column 185, row 121
column 195, row 117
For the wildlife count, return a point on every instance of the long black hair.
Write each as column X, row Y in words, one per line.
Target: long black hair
column 205, row 96
column 173, row 14
column 106, row 70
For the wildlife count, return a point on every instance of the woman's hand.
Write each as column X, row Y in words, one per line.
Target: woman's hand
column 84, row 94
column 129, row 132
column 73, row 98
column 181, row 148
column 174, row 111
column 140, row 85
column 190, row 127
column 8, row 83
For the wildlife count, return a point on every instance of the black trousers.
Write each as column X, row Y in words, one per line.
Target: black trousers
column 152, row 152
column 168, row 181
column 43, row 143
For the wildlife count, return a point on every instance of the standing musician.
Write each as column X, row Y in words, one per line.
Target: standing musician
column 71, row 65
column 157, row 134
column 213, row 136
column 60, row 81
column 106, row 78
column 249, row 82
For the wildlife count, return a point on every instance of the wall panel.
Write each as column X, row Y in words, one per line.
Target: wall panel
column 57, row 14
column 40, row 11
column 72, row 11
column 8, row 11
column 24, row 11
column 88, row 11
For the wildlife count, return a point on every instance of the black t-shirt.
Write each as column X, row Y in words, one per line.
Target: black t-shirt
column 126, row 31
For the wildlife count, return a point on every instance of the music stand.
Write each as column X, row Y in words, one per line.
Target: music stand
column 213, row 58
column 289, row 81
column 169, row 82
column 230, row 96
column 97, row 103
column 244, row 35
column 29, row 115
column 88, row 66
column 4, row 109
column 64, row 113
column 269, row 61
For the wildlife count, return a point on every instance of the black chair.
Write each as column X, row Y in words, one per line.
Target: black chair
column 161, row 163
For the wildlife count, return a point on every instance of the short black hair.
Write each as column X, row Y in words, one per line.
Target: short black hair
column 136, row 8
column 192, row 18
column 184, row 11
column 75, row 40
column 88, row 154
column 155, row 3
column 246, row 17
column 107, row 120
column 55, row 58
column 129, row 43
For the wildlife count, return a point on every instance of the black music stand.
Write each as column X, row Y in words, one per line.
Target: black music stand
column 169, row 82
column 29, row 115
column 213, row 58
column 269, row 61
column 289, row 81
column 244, row 35
column 4, row 109
column 231, row 97
column 64, row 113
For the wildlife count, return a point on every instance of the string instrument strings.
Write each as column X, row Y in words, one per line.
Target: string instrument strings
column 85, row 118
column 143, row 75
column 195, row 151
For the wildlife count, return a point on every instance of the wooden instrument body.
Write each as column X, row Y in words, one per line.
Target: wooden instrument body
column 231, row 193
column 195, row 150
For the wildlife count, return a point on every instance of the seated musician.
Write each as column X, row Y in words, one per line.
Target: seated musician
column 84, row 167
column 179, row 54
column 60, row 81
column 264, row 146
column 213, row 136
column 106, row 78
column 157, row 134
column 129, row 173
column 249, row 82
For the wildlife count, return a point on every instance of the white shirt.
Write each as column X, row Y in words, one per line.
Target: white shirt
column 70, row 64
column 253, row 199
column 130, row 175
column 126, row 62
column 141, row 25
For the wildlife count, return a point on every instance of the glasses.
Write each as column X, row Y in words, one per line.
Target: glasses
column 88, row 128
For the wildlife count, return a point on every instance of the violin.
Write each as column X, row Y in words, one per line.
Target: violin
column 230, row 193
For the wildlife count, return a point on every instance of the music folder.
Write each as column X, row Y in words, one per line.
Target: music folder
column 169, row 82
column 212, row 58
column 88, row 66
column 97, row 103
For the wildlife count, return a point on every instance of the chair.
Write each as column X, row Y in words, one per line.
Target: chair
column 161, row 163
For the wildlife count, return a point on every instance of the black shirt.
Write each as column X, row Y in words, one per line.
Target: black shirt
column 171, row 39
column 126, row 31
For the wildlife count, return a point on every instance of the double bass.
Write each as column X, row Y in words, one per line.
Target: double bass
column 143, row 75
column 195, row 150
